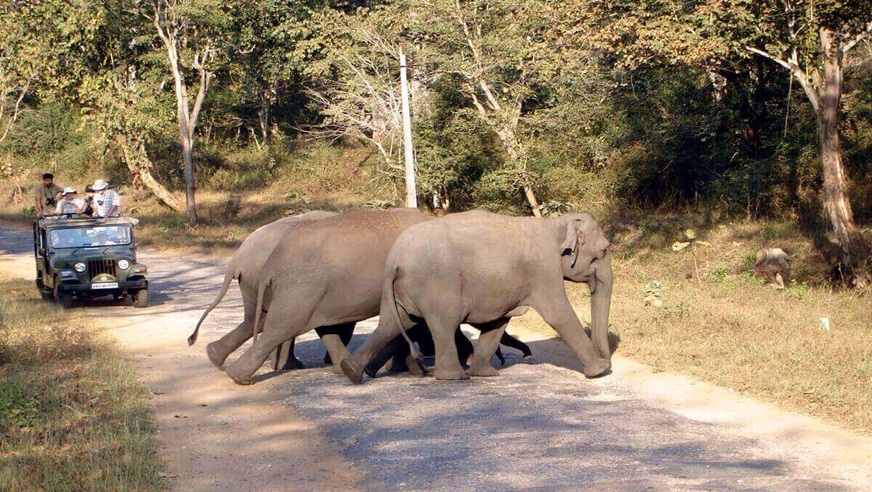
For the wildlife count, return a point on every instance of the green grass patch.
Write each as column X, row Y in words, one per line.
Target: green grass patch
column 72, row 415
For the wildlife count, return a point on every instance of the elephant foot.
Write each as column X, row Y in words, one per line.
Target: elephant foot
column 336, row 369
column 214, row 356
column 528, row 357
column 238, row 378
column 415, row 369
column 451, row 374
column 483, row 372
column 597, row 367
column 292, row 364
column 351, row 371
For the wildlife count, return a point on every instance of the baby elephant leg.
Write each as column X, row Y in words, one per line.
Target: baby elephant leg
column 510, row 341
column 344, row 331
column 488, row 343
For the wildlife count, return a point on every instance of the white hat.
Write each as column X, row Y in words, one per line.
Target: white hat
column 99, row 185
column 68, row 191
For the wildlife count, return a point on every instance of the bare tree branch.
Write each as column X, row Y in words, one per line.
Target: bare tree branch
column 797, row 72
column 860, row 37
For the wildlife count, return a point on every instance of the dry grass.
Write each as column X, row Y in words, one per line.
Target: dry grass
column 72, row 415
column 731, row 329
column 734, row 329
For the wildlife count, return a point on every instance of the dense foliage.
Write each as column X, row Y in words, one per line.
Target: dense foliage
column 516, row 104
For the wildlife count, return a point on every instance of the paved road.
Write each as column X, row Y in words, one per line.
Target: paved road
column 539, row 426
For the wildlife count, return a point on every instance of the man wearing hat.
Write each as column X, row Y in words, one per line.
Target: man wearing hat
column 106, row 201
column 46, row 194
column 69, row 204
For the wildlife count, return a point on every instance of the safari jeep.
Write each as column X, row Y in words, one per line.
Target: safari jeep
column 84, row 257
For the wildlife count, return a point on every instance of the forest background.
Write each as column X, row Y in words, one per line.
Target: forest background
column 736, row 123
column 731, row 108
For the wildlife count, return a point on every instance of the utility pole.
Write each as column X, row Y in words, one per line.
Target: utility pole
column 411, row 192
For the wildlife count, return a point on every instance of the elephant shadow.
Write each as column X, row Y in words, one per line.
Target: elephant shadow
column 552, row 351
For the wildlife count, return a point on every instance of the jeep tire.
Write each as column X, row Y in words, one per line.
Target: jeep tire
column 63, row 299
column 140, row 298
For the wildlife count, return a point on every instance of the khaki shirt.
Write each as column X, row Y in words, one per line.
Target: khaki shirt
column 40, row 192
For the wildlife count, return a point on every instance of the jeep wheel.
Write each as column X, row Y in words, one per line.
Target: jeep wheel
column 62, row 298
column 140, row 298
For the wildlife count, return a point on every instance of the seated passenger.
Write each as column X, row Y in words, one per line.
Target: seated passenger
column 69, row 204
column 102, row 239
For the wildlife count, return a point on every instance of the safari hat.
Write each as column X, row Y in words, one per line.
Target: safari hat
column 69, row 191
column 99, row 185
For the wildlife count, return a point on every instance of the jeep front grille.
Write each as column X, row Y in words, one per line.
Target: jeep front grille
column 96, row 267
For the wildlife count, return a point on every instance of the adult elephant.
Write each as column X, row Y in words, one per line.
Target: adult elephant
column 246, row 266
column 481, row 268
column 329, row 274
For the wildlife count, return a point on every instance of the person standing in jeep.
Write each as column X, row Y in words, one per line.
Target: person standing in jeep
column 106, row 201
column 45, row 194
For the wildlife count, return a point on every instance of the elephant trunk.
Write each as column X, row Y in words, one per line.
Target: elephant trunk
column 229, row 275
column 600, row 304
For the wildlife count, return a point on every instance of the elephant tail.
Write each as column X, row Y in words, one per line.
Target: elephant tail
column 229, row 276
column 392, row 298
column 261, row 288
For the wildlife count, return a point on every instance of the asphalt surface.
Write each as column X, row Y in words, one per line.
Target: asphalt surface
column 538, row 426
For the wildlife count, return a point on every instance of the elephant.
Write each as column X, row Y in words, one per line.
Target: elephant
column 483, row 269
column 246, row 266
column 398, row 349
column 329, row 275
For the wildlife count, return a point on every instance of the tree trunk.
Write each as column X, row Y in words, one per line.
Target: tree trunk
column 190, row 184
column 263, row 115
column 139, row 165
column 510, row 142
column 836, row 203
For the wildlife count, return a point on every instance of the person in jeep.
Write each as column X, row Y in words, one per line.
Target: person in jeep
column 70, row 204
column 45, row 194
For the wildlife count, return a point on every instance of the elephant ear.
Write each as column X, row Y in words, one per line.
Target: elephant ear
column 574, row 237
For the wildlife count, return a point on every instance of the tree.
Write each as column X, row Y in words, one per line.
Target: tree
column 356, row 81
column 188, row 29
column 812, row 40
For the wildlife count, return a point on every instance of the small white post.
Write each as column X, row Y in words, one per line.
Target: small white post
column 411, row 192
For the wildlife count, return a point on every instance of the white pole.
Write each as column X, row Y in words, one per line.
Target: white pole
column 411, row 193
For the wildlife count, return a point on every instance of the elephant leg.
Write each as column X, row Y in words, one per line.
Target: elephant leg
column 447, row 360
column 282, row 323
column 425, row 344
column 510, row 341
column 396, row 348
column 292, row 363
column 412, row 366
column 488, row 343
column 501, row 357
column 335, row 339
column 354, row 365
column 220, row 349
column 558, row 313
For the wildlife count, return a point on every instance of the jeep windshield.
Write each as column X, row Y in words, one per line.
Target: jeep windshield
column 85, row 237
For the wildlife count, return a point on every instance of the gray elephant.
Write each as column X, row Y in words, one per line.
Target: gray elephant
column 329, row 274
column 246, row 266
column 481, row 268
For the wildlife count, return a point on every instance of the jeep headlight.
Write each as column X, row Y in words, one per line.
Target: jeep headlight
column 80, row 267
column 123, row 264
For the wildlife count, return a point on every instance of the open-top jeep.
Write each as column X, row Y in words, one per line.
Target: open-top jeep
column 84, row 257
